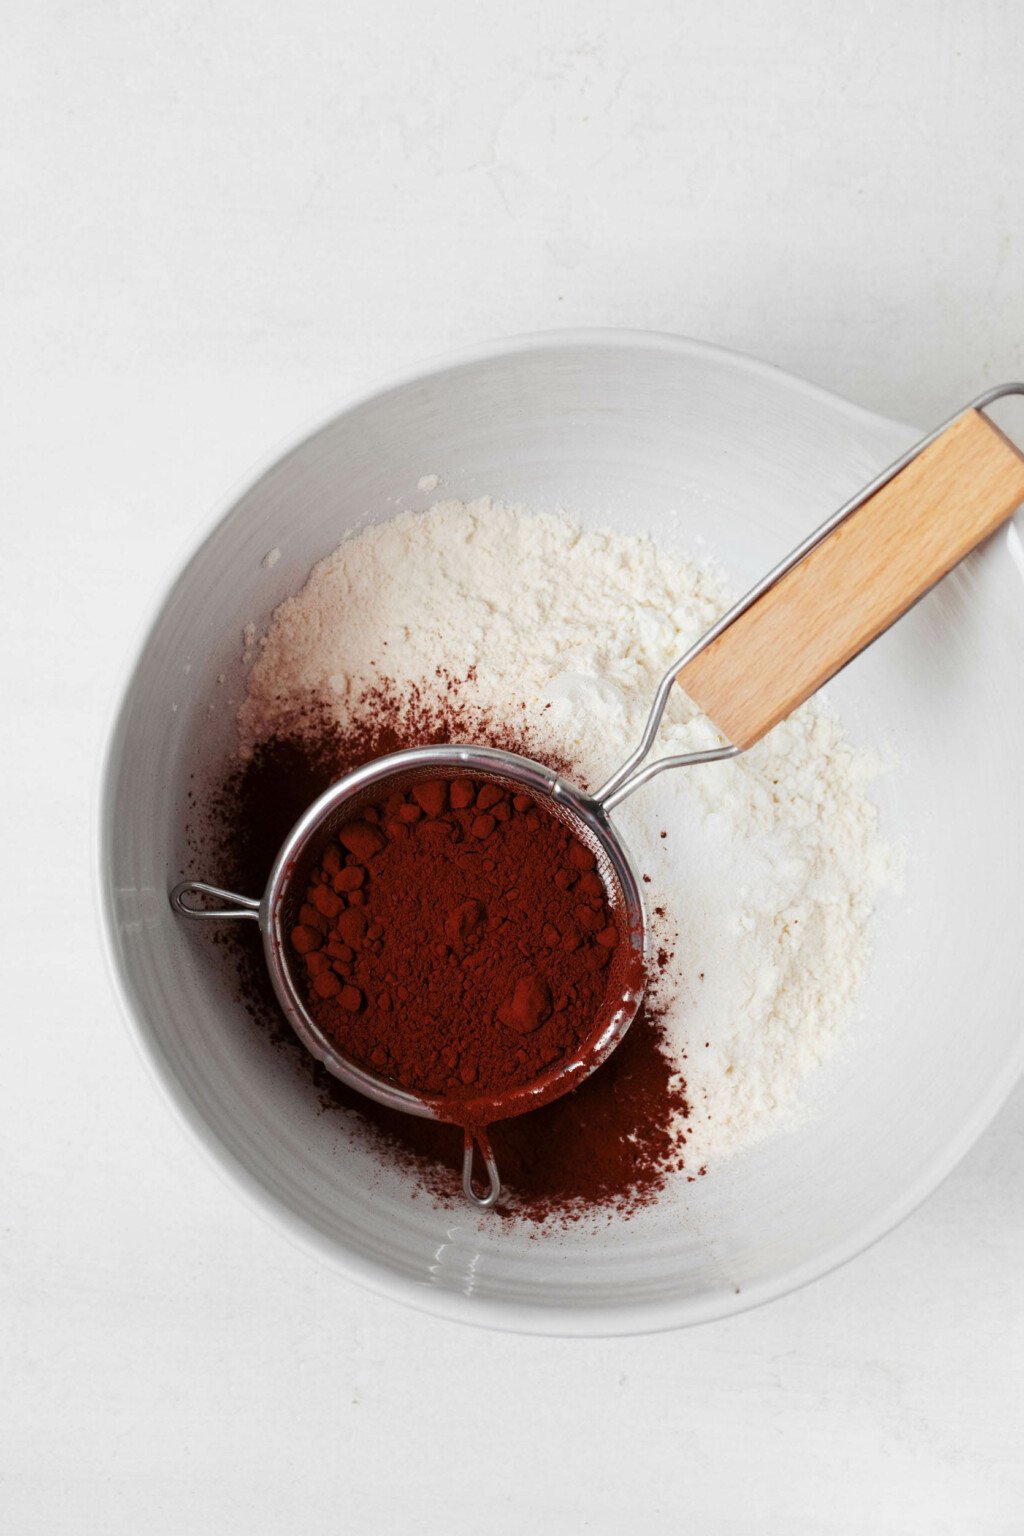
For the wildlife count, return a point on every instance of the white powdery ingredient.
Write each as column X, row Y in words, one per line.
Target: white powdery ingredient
column 771, row 863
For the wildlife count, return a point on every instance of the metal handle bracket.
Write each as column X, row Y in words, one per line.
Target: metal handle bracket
column 630, row 775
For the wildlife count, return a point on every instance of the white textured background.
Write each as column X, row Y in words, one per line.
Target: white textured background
column 217, row 220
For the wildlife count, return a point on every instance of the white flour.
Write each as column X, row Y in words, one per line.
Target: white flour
column 771, row 863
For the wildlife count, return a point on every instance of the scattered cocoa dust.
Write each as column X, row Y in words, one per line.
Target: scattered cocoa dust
column 609, row 1146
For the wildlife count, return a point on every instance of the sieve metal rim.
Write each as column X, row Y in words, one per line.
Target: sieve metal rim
column 467, row 760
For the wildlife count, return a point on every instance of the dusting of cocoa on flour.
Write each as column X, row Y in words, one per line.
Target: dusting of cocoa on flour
column 607, row 1148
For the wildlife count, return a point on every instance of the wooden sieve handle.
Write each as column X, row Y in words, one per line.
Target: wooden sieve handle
column 864, row 575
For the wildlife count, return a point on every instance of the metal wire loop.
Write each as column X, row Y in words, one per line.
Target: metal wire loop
column 244, row 906
column 479, row 1139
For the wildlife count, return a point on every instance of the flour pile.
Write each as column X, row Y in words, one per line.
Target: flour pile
column 770, row 865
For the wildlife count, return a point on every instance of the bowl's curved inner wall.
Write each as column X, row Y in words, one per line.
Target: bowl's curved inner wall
column 690, row 446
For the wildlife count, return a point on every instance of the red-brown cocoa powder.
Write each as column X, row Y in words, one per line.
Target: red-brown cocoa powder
column 608, row 1145
column 456, row 940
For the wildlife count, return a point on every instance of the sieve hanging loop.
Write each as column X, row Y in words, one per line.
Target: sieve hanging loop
column 479, row 1139
column 242, row 906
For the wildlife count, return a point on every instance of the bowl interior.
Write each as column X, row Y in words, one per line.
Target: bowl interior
column 694, row 446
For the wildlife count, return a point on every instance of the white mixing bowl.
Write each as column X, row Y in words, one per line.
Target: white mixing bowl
column 636, row 432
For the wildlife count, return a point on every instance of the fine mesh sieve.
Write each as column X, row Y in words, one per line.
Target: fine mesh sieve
column 277, row 913
column 828, row 600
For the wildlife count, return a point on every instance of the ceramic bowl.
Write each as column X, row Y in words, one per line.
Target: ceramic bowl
column 636, row 432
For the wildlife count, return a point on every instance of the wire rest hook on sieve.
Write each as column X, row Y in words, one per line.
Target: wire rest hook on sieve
column 475, row 1139
column 241, row 906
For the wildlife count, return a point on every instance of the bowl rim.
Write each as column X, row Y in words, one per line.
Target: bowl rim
column 539, row 1319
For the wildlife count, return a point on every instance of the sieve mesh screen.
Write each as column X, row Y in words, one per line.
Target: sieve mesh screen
column 621, row 972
